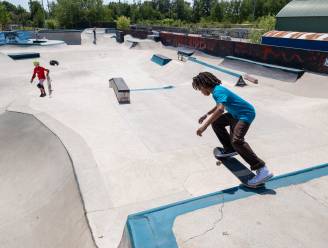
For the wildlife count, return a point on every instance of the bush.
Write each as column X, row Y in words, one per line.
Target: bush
column 51, row 24
column 264, row 24
column 123, row 23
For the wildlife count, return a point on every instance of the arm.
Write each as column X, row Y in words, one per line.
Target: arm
column 33, row 76
column 201, row 119
column 216, row 113
column 212, row 110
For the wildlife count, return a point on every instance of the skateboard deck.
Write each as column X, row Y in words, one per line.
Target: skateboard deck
column 236, row 168
column 49, row 86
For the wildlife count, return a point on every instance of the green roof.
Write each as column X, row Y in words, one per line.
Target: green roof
column 300, row 8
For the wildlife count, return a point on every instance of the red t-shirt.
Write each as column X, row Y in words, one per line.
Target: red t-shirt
column 40, row 72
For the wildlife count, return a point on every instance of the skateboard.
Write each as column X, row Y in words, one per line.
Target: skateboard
column 235, row 167
column 50, row 90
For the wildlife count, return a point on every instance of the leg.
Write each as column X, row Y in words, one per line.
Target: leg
column 40, row 86
column 219, row 127
column 239, row 131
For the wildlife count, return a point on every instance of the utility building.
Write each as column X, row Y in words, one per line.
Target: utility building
column 304, row 16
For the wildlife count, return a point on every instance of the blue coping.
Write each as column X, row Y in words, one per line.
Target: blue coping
column 160, row 59
column 266, row 64
column 153, row 228
column 218, row 68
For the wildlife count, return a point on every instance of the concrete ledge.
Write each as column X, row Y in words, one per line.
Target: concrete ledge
column 121, row 90
column 153, row 228
column 25, row 55
column 160, row 59
column 184, row 52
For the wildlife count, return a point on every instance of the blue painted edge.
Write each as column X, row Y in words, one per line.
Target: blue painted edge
column 231, row 73
column 153, row 228
column 160, row 59
column 266, row 64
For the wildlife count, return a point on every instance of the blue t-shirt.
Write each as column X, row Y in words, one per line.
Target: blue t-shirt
column 234, row 104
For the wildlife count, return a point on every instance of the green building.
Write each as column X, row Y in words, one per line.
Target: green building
column 304, row 16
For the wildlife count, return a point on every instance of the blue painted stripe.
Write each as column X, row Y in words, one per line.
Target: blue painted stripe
column 160, row 59
column 153, row 228
column 266, row 64
column 221, row 69
column 318, row 45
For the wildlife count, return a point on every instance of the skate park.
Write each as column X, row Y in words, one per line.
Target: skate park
column 96, row 173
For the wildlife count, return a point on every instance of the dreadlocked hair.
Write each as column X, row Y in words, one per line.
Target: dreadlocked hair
column 205, row 80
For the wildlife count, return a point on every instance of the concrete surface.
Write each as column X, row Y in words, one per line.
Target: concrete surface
column 296, row 216
column 147, row 154
column 40, row 201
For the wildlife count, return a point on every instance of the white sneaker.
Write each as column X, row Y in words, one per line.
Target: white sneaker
column 262, row 175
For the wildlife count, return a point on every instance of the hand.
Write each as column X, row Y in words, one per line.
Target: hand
column 201, row 119
column 201, row 130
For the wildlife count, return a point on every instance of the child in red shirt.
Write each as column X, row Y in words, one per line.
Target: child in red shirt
column 40, row 72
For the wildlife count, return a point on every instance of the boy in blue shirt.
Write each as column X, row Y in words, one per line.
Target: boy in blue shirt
column 239, row 116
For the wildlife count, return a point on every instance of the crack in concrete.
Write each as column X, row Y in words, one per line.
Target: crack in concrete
column 313, row 197
column 213, row 225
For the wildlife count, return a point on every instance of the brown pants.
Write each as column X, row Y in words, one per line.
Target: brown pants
column 235, row 141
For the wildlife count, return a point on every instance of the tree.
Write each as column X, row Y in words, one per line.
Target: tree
column 4, row 16
column 196, row 11
column 216, row 12
column 123, row 23
column 37, row 14
column 265, row 24
column 182, row 10
column 22, row 16
column 79, row 13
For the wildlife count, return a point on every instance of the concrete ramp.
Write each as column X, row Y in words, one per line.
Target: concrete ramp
column 40, row 201
column 103, row 39
column 141, row 44
column 6, row 63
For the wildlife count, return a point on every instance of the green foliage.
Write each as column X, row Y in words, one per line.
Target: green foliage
column 51, row 24
column 4, row 16
column 180, row 13
column 78, row 13
column 265, row 24
column 216, row 12
column 123, row 23
column 37, row 14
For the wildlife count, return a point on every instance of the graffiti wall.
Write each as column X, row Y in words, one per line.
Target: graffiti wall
column 289, row 57
column 141, row 34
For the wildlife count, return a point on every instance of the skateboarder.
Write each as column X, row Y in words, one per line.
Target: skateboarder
column 40, row 72
column 239, row 116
